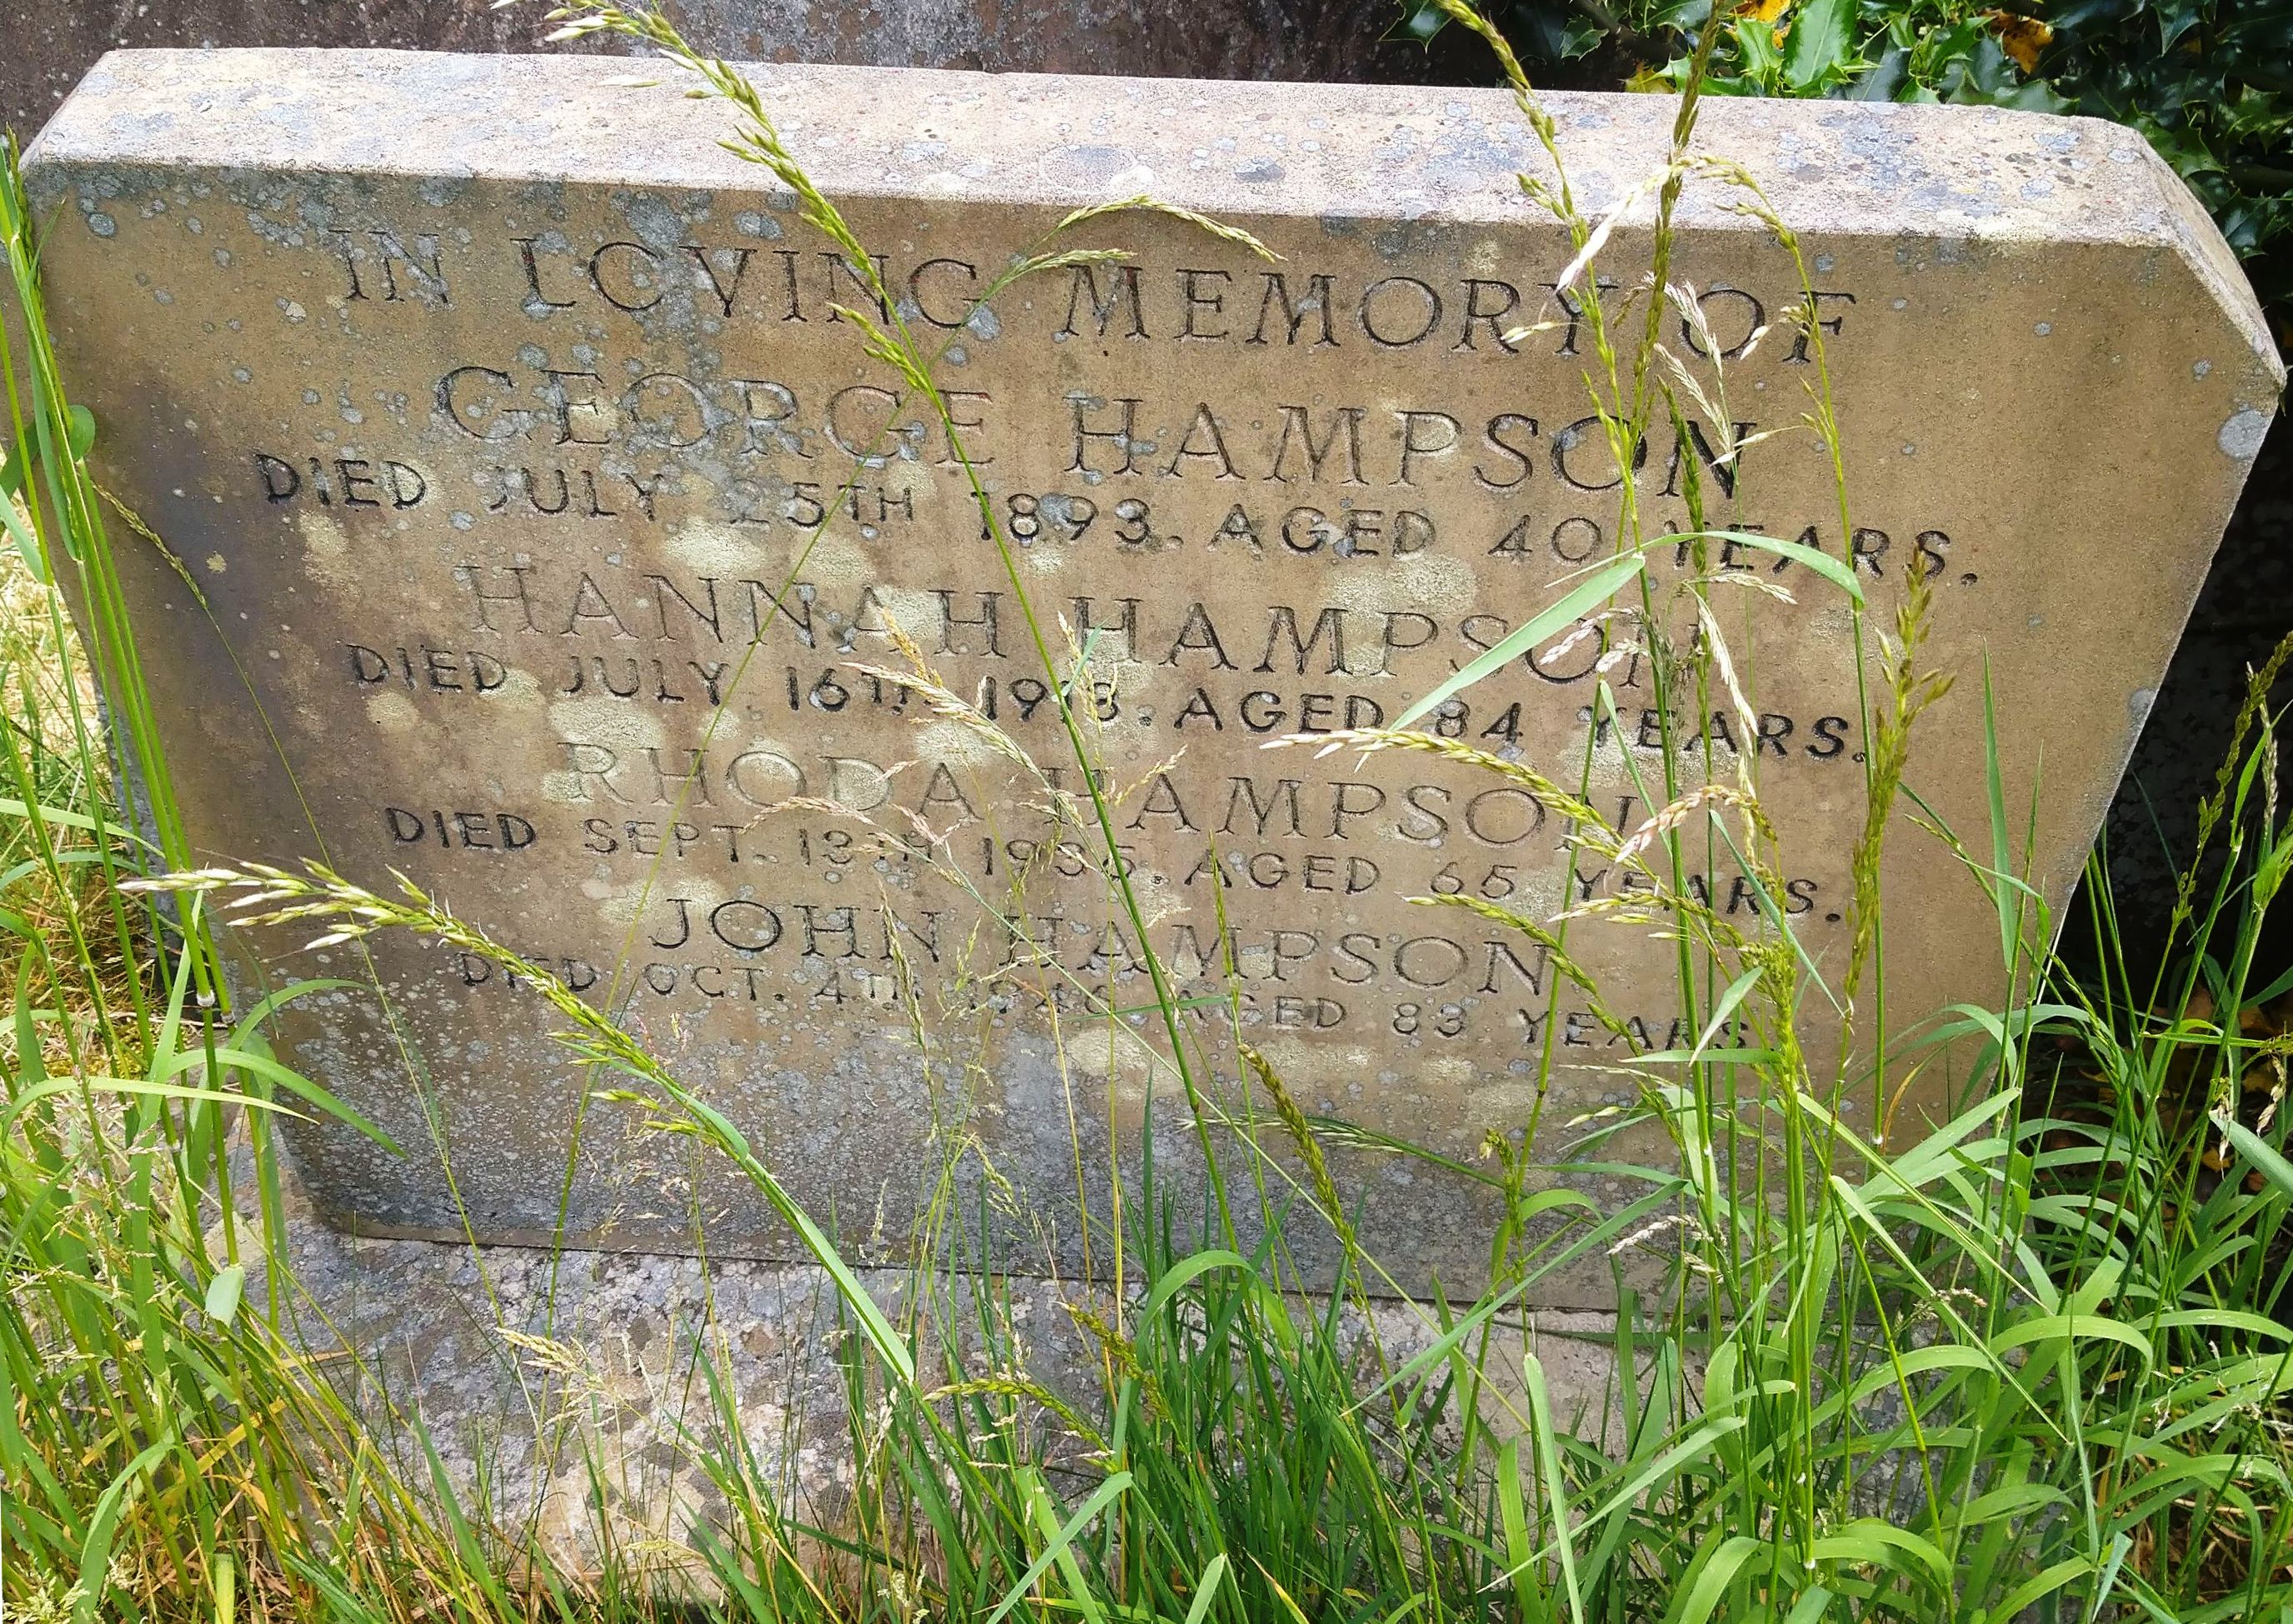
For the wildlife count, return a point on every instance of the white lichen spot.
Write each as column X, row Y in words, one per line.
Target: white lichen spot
column 393, row 712
column 917, row 610
column 2242, row 436
column 518, row 686
column 836, row 561
column 710, row 548
column 1432, row 582
column 954, row 743
column 323, row 537
column 627, row 730
column 565, row 788
column 617, row 903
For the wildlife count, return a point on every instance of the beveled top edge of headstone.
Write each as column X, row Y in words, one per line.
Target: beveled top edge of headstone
column 1982, row 175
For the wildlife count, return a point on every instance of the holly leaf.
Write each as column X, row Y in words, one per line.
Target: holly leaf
column 1820, row 45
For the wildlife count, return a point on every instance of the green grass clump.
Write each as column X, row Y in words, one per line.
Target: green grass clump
column 2024, row 1359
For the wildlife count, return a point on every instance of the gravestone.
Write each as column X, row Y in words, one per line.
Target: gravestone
column 493, row 409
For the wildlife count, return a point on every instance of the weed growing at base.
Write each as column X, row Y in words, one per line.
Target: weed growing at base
column 2022, row 1358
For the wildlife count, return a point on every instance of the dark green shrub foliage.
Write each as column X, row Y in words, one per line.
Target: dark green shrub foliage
column 2209, row 81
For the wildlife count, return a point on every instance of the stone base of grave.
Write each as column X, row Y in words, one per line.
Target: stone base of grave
column 543, row 1378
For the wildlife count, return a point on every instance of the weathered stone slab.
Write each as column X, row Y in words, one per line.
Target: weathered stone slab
column 488, row 404
column 539, row 1378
